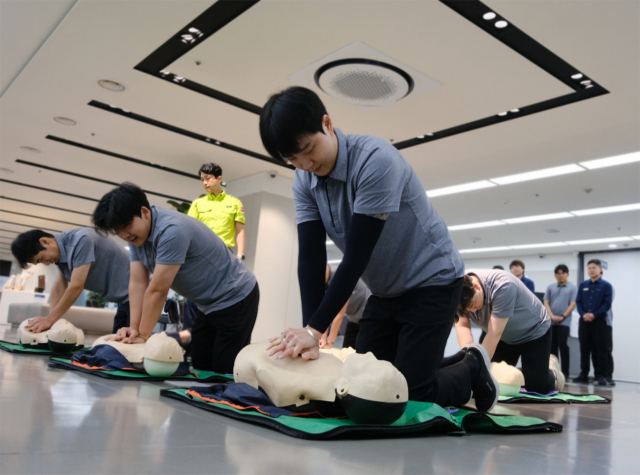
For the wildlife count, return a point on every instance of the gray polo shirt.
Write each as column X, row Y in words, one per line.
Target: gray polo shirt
column 559, row 298
column 505, row 296
column 357, row 301
column 210, row 275
column 371, row 177
column 109, row 272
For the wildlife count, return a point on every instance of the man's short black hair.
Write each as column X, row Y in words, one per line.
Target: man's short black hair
column 468, row 291
column 25, row 247
column 498, row 267
column 561, row 267
column 516, row 262
column 287, row 116
column 596, row 262
column 211, row 169
column 117, row 208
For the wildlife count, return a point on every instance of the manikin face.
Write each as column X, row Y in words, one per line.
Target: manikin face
column 318, row 152
column 138, row 230
column 562, row 277
column 477, row 302
column 50, row 254
column 210, row 183
column 517, row 271
column 594, row 271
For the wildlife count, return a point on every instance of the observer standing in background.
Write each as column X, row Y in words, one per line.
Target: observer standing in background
column 608, row 351
column 222, row 213
column 593, row 302
column 560, row 300
column 517, row 268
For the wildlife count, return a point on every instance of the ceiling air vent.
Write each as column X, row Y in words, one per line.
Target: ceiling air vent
column 363, row 77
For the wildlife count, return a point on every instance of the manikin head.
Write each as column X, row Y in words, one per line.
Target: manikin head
column 211, row 178
column 35, row 247
column 594, row 269
column 517, row 268
column 295, row 126
column 162, row 355
column 509, row 378
column 561, row 273
column 124, row 211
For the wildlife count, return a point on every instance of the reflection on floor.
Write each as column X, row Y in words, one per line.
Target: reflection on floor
column 61, row 422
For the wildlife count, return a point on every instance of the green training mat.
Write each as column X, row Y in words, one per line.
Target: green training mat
column 563, row 398
column 197, row 375
column 25, row 350
column 419, row 418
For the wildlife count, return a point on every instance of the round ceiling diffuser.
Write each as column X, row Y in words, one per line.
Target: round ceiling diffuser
column 364, row 82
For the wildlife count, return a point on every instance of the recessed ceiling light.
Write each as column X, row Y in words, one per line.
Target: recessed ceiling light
column 608, row 209
column 430, row 134
column 484, row 224
column 612, row 161
column 514, row 110
column 534, row 246
column 217, row 143
column 586, row 81
column 501, row 24
column 489, row 16
column 613, row 245
column 547, row 172
column 577, row 76
column 111, row 85
column 29, row 149
column 502, row 114
column 540, row 217
column 598, row 241
column 484, row 249
column 420, row 137
column 64, row 121
column 449, row 190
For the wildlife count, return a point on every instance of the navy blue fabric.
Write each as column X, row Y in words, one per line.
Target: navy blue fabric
column 594, row 297
column 107, row 357
column 528, row 283
column 241, row 394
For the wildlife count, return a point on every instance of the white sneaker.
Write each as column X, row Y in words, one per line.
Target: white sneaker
column 554, row 365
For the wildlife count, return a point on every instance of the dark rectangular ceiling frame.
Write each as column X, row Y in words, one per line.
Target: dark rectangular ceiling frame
column 49, row 190
column 224, row 12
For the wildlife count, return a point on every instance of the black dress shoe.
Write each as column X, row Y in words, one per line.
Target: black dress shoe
column 610, row 381
column 602, row 382
column 582, row 379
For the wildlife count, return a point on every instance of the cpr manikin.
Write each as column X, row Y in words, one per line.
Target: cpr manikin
column 159, row 356
column 62, row 337
column 509, row 378
column 371, row 391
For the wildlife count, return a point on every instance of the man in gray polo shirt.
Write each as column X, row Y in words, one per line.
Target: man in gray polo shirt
column 180, row 253
column 86, row 261
column 560, row 300
column 516, row 322
column 361, row 192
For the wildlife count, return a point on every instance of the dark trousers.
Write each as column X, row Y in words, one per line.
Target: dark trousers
column 559, row 346
column 350, row 335
column 411, row 331
column 218, row 337
column 593, row 342
column 535, row 362
column 122, row 316
column 607, row 358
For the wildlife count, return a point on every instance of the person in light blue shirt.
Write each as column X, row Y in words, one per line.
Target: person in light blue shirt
column 560, row 300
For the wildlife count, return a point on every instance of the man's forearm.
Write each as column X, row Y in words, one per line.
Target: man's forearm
column 69, row 296
column 136, row 299
column 240, row 241
column 569, row 309
column 154, row 300
column 490, row 342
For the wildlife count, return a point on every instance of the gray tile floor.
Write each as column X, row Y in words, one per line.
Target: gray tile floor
column 61, row 422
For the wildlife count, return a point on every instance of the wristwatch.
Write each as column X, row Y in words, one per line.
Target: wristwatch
column 241, row 257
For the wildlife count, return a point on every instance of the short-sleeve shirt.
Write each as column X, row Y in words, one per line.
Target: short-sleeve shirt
column 220, row 213
column 357, row 301
column 210, row 275
column 559, row 297
column 109, row 272
column 371, row 177
column 505, row 296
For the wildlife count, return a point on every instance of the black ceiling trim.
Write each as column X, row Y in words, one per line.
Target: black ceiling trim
column 43, row 205
column 225, row 11
column 49, row 190
column 27, row 226
column 212, row 20
column 85, row 177
column 40, row 217
column 186, row 133
column 122, row 157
